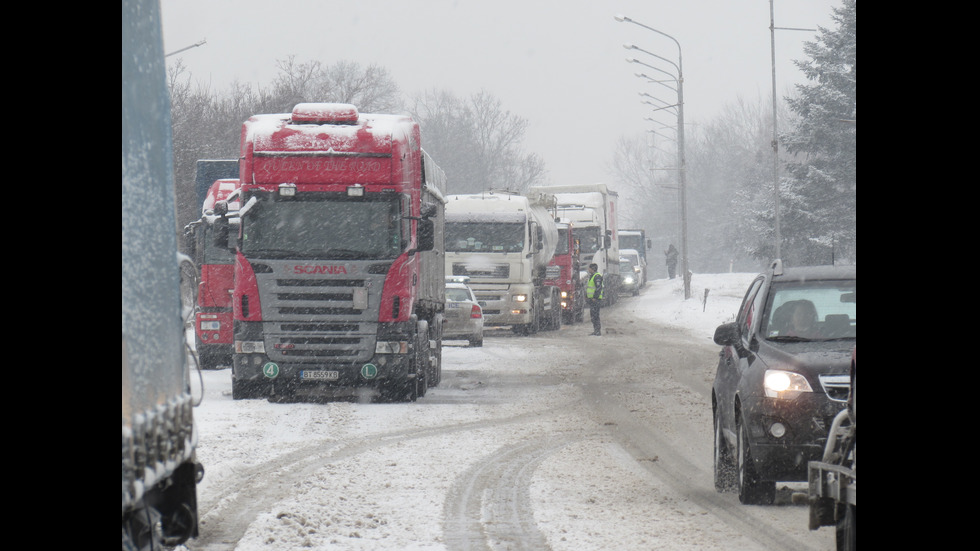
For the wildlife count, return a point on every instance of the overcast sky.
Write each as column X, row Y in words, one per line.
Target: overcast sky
column 560, row 64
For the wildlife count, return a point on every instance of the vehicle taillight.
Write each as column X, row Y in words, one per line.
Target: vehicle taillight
column 476, row 311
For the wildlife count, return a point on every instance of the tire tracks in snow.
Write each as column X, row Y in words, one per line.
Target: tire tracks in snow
column 489, row 506
column 256, row 489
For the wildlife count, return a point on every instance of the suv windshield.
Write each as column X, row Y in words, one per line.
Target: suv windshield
column 811, row 310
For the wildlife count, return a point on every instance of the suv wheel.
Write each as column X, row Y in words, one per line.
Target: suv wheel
column 751, row 490
column 723, row 461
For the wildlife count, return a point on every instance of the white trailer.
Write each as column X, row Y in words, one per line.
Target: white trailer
column 503, row 242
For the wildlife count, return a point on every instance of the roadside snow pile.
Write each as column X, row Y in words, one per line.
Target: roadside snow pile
column 663, row 301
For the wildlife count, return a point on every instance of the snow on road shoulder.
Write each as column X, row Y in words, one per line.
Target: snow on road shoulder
column 663, row 301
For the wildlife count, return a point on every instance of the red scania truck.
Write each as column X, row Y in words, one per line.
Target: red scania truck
column 213, row 316
column 339, row 271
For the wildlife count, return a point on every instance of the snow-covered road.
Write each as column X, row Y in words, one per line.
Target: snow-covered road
column 557, row 441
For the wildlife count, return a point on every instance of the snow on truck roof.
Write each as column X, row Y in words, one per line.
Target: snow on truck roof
column 305, row 128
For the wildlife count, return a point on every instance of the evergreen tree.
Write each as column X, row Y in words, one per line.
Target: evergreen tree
column 819, row 216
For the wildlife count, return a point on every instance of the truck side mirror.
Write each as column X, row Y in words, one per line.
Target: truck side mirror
column 539, row 238
column 649, row 243
column 428, row 209
column 606, row 242
column 426, row 235
column 221, row 232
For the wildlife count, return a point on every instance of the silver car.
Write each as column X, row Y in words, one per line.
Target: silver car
column 463, row 318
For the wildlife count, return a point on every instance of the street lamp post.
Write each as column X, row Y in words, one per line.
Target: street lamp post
column 775, row 134
column 680, row 145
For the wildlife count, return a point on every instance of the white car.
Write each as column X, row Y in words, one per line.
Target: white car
column 463, row 318
column 639, row 265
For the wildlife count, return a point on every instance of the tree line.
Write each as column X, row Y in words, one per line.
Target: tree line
column 729, row 178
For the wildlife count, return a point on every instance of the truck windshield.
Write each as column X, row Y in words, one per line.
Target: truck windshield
column 484, row 237
column 323, row 226
column 562, row 247
column 588, row 239
column 627, row 241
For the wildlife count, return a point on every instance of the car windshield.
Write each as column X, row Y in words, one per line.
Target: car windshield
column 811, row 311
column 457, row 295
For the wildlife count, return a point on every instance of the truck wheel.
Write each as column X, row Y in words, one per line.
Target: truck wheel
column 535, row 324
column 437, row 369
column 751, row 490
column 476, row 343
column 422, row 363
column 241, row 390
column 207, row 361
column 846, row 529
column 723, row 461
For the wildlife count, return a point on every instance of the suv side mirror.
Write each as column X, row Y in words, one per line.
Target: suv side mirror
column 727, row 334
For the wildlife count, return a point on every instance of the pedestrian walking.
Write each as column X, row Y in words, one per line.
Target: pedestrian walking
column 671, row 253
column 593, row 295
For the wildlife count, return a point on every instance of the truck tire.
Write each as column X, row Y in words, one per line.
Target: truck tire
column 476, row 342
column 556, row 313
column 847, row 529
column 422, row 363
column 242, row 390
column 751, row 490
column 723, row 462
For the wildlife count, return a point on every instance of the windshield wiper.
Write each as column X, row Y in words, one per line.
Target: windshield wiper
column 788, row 338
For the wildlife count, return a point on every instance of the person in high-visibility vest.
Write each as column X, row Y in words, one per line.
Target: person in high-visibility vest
column 593, row 295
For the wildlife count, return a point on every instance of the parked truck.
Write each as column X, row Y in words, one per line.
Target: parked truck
column 564, row 272
column 216, row 265
column 593, row 211
column 504, row 241
column 833, row 479
column 160, row 471
column 339, row 271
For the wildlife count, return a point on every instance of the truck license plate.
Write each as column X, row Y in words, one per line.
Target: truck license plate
column 319, row 375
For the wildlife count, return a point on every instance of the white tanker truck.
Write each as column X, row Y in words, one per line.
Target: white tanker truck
column 504, row 241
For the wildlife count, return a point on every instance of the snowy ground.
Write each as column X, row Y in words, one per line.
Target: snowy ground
column 239, row 439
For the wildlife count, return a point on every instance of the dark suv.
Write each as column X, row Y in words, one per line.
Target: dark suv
column 783, row 374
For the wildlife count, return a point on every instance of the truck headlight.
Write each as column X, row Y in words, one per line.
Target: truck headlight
column 249, row 347
column 784, row 384
column 520, row 298
column 391, row 347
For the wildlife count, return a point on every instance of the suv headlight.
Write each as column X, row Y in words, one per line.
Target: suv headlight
column 520, row 298
column 784, row 384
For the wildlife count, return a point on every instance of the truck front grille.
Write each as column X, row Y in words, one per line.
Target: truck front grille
column 495, row 271
column 317, row 317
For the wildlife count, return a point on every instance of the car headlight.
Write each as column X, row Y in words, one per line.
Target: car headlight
column 628, row 279
column 784, row 384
